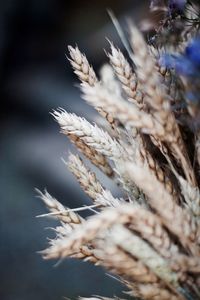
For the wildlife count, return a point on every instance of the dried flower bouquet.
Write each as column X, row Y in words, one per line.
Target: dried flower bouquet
column 150, row 238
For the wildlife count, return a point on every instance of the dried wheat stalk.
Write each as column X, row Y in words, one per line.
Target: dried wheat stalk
column 157, row 99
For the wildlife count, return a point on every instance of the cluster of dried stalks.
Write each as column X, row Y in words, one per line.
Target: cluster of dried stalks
column 150, row 239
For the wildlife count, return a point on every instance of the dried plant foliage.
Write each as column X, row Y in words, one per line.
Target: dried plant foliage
column 150, row 238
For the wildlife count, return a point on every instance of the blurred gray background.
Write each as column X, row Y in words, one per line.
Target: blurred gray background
column 36, row 78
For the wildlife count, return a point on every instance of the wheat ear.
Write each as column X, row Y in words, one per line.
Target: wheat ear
column 81, row 66
column 89, row 183
column 54, row 206
column 122, row 264
column 90, row 134
column 134, row 245
column 153, row 292
column 126, row 76
column 98, row 159
column 86, row 74
column 191, row 195
column 85, row 177
column 127, row 113
column 177, row 220
column 123, row 215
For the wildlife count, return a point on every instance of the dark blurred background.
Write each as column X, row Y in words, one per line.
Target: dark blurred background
column 36, row 78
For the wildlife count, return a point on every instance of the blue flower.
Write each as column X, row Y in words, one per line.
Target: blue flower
column 167, row 60
column 185, row 67
column 192, row 97
column 181, row 64
column 193, row 51
column 187, row 64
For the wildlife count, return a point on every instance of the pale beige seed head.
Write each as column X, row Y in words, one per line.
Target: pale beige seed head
column 126, row 76
column 81, row 66
column 85, row 177
column 98, row 159
column 62, row 213
column 90, row 134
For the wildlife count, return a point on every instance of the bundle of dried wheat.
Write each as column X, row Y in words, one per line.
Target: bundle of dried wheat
column 151, row 238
